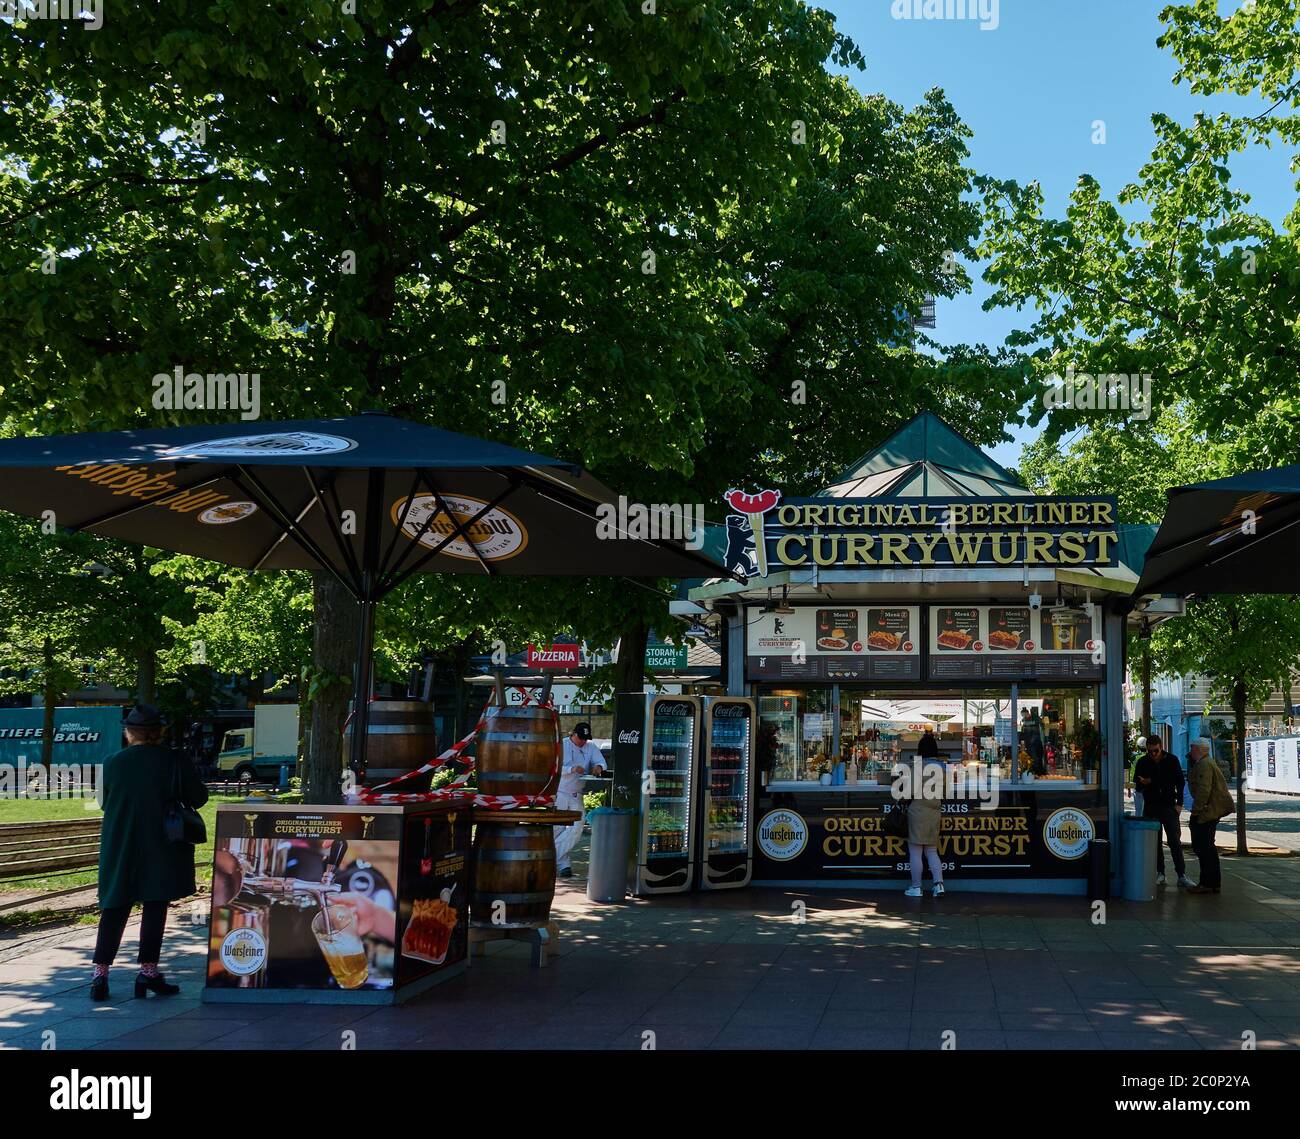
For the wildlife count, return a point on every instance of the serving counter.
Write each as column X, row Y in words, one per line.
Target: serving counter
column 337, row 904
column 1031, row 838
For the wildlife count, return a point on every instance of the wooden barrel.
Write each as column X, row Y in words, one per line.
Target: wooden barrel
column 515, row 754
column 401, row 737
column 514, row 876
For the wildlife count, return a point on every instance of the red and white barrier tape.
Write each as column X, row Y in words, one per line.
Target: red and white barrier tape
column 492, row 802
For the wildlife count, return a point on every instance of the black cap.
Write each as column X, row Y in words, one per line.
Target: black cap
column 144, row 716
column 582, row 731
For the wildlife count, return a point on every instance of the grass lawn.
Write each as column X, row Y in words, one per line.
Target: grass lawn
column 43, row 810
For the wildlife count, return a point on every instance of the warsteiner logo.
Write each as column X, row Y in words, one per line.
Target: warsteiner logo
column 1067, row 833
column 494, row 536
column 782, row 834
column 243, row 952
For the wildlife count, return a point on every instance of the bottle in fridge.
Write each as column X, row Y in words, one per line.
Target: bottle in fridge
column 724, row 858
column 655, row 749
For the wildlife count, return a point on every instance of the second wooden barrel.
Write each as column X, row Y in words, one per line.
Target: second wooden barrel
column 402, row 736
column 514, row 876
column 515, row 754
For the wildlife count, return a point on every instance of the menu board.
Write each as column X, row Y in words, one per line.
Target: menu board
column 1012, row 642
column 832, row 644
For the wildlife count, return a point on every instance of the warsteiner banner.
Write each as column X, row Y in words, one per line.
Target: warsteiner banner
column 767, row 533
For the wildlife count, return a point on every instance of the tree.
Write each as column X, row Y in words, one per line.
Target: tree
column 1176, row 278
column 1246, row 646
column 620, row 237
column 73, row 605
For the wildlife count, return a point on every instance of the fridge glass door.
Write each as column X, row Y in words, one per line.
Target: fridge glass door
column 669, row 790
column 727, row 825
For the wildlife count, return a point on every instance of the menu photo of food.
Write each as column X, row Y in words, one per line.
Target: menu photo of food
column 837, row 631
column 1010, row 630
column 434, row 896
column 889, row 630
column 957, row 630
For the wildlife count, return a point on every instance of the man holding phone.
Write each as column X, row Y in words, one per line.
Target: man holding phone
column 1159, row 776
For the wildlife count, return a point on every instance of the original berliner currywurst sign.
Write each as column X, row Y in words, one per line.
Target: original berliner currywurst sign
column 767, row 533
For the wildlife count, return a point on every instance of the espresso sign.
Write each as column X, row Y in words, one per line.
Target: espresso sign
column 768, row 533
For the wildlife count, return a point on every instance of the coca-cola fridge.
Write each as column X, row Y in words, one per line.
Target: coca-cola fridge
column 723, row 855
column 656, row 744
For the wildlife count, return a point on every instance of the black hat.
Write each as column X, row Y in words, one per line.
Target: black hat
column 144, row 716
column 582, row 731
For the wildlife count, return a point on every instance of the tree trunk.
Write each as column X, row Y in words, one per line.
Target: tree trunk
column 1146, row 688
column 1239, row 710
column 629, row 669
column 334, row 637
column 51, row 695
column 146, row 675
column 1286, row 703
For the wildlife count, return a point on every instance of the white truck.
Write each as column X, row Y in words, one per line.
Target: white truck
column 260, row 751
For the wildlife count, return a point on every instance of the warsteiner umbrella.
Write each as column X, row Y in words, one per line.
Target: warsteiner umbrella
column 370, row 499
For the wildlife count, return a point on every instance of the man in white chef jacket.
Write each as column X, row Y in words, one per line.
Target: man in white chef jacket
column 579, row 757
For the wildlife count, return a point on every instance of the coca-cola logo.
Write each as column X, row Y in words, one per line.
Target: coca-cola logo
column 731, row 711
column 673, row 710
column 632, row 737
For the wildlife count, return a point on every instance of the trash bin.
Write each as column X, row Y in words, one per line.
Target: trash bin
column 611, row 844
column 1141, row 837
column 1098, row 870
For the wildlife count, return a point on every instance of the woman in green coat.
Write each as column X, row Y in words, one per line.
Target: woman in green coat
column 136, row 862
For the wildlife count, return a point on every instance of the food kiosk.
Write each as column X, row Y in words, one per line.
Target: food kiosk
column 929, row 592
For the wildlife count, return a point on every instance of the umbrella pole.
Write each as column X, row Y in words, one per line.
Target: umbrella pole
column 363, row 675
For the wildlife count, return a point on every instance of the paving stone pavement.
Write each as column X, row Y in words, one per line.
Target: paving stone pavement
column 737, row 970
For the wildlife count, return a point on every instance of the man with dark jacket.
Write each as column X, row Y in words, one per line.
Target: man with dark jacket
column 1159, row 776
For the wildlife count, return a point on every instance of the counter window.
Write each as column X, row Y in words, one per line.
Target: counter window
column 796, row 735
column 1048, row 734
column 1058, row 735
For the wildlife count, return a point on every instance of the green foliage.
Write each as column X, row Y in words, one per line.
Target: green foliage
column 368, row 211
column 1248, row 640
column 1176, row 277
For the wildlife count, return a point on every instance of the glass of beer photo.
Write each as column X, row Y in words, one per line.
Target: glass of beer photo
column 1064, row 631
column 345, row 954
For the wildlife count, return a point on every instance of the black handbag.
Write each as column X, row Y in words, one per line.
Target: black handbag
column 896, row 819
column 181, row 822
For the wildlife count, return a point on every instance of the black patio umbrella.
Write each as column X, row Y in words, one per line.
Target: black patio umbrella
column 1233, row 535
column 371, row 499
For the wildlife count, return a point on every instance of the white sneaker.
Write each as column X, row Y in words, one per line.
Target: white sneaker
column 938, row 890
column 1160, row 880
column 912, row 892
column 1184, row 881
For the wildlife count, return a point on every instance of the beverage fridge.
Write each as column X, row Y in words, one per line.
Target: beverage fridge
column 726, row 797
column 684, row 764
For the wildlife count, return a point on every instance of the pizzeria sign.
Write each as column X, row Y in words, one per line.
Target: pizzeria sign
column 767, row 533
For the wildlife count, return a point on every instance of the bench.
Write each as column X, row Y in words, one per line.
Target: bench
column 47, row 850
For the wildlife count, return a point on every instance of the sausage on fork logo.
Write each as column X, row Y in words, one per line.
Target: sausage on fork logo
column 753, row 507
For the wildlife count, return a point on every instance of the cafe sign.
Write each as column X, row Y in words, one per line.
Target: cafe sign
column 768, row 533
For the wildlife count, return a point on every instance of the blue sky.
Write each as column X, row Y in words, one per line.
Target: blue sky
column 1030, row 89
